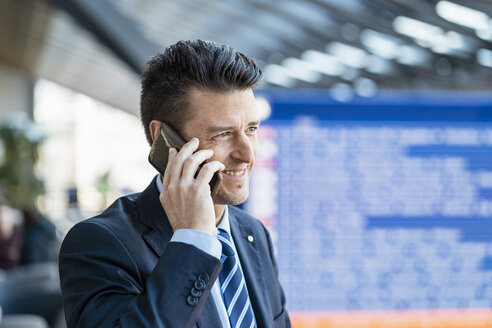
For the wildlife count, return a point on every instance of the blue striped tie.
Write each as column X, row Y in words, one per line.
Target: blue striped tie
column 233, row 287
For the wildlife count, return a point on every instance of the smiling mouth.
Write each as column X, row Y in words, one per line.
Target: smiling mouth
column 234, row 173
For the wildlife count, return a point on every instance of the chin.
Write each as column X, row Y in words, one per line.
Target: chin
column 231, row 198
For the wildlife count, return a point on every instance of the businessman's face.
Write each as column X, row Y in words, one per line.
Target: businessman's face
column 227, row 123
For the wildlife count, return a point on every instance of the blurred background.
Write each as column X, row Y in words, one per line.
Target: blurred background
column 374, row 174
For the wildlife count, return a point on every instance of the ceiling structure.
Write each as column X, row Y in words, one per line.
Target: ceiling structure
column 99, row 47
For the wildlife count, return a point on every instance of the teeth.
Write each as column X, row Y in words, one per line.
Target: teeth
column 235, row 173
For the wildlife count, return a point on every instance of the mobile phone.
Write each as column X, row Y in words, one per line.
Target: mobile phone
column 159, row 153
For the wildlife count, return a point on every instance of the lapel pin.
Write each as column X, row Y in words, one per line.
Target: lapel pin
column 250, row 238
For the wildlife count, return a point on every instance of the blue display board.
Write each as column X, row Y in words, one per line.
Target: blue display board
column 379, row 204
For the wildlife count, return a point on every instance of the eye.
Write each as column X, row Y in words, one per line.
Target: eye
column 223, row 135
column 252, row 129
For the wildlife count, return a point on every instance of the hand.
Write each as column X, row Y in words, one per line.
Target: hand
column 187, row 200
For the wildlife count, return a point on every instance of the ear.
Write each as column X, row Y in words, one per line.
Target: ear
column 154, row 128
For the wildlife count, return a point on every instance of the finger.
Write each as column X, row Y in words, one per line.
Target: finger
column 167, row 172
column 208, row 170
column 178, row 160
column 191, row 163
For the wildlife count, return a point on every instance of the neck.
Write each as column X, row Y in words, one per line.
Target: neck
column 219, row 212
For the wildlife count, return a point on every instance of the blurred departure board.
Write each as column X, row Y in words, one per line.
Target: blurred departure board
column 382, row 204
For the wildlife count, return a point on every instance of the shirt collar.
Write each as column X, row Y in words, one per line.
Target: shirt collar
column 158, row 182
column 224, row 223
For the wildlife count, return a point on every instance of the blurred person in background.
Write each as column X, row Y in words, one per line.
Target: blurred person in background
column 11, row 237
column 41, row 242
column 29, row 289
column 173, row 256
column 26, row 237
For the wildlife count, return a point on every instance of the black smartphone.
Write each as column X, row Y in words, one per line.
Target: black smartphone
column 168, row 138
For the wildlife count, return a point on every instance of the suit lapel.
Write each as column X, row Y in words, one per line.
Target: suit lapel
column 249, row 256
column 159, row 233
column 152, row 215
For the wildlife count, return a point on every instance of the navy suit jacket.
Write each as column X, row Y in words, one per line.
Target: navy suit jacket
column 119, row 269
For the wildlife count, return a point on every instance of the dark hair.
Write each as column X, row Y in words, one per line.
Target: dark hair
column 204, row 65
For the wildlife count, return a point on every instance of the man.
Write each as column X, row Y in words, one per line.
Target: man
column 172, row 256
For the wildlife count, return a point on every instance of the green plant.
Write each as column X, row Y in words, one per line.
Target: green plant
column 19, row 152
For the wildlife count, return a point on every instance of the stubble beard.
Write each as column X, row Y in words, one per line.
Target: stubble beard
column 225, row 197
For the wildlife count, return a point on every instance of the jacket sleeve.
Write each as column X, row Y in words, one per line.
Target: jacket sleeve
column 103, row 287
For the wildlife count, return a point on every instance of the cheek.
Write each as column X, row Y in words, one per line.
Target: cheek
column 220, row 152
column 255, row 145
column 208, row 145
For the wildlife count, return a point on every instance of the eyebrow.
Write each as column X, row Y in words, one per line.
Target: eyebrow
column 214, row 129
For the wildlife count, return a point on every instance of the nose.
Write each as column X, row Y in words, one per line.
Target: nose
column 244, row 149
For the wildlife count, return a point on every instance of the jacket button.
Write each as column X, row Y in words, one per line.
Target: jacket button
column 192, row 300
column 195, row 292
column 200, row 284
column 204, row 277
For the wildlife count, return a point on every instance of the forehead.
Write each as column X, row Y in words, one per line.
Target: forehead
column 235, row 108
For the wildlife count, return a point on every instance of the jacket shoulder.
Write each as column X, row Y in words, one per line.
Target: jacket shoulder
column 242, row 215
column 120, row 220
column 245, row 219
column 121, row 210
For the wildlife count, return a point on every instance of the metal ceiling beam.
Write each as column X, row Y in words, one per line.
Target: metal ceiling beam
column 116, row 31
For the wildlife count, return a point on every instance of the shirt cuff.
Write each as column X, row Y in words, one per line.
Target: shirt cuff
column 201, row 240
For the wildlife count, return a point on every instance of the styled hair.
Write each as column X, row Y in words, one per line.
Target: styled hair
column 170, row 76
